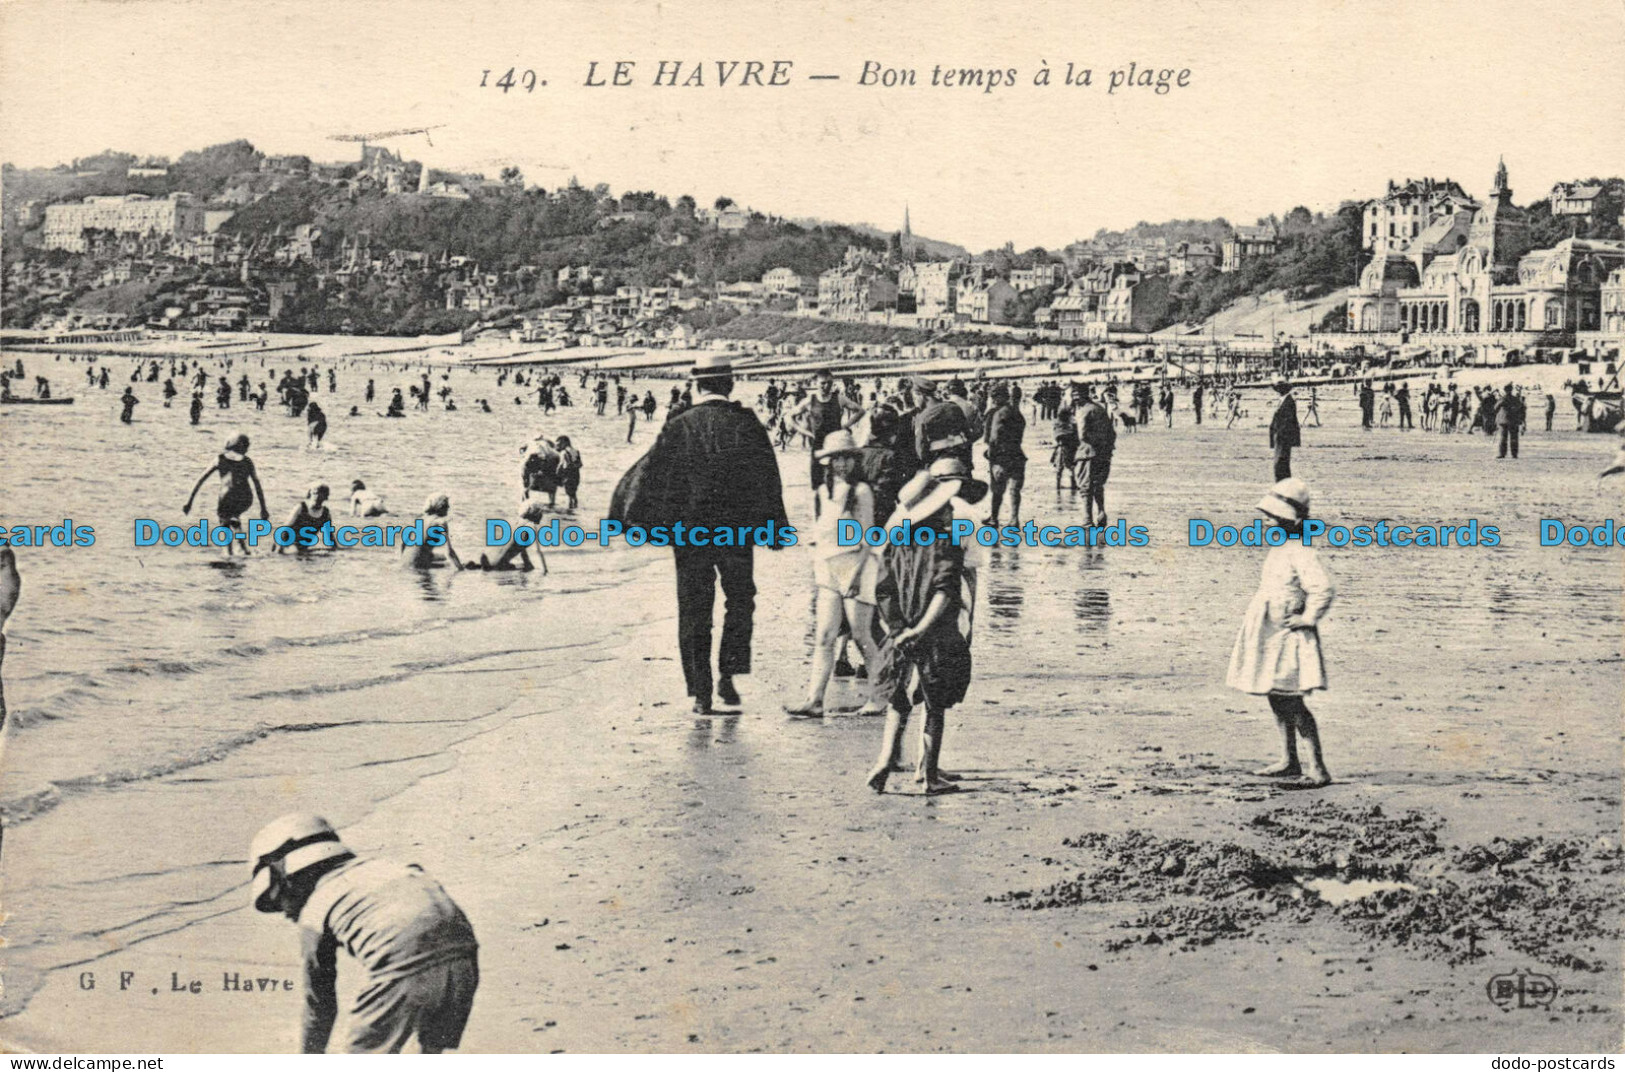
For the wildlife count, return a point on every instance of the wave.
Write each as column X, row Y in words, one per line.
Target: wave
column 32, row 805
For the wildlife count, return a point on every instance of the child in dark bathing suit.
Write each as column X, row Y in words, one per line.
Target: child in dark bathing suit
column 239, row 484
column 312, row 512
column 569, row 468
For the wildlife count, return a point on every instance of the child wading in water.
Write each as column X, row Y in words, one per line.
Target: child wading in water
column 845, row 576
column 239, row 483
column 922, row 594
column 1277, row 652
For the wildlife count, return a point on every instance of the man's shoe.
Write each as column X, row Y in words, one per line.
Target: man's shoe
column 702, row 707
column 727, row 693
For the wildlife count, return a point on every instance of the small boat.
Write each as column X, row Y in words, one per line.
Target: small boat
column 18, row 401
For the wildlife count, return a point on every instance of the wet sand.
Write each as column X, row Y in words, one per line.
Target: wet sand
column 644, row 880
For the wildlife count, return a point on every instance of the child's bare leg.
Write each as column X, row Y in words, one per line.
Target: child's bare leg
column 931, row 749
column 1286, row 721
column 1310, row 732
column 860, row 616
column 827, row 628
column 891, row 743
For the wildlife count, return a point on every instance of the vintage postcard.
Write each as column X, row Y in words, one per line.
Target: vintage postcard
column 811, row 527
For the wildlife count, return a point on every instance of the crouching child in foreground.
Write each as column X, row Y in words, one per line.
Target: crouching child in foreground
column 415, row 944
column 925, row 596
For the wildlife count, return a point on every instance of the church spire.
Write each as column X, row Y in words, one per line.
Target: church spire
column 1501, row 186
column 908, row 236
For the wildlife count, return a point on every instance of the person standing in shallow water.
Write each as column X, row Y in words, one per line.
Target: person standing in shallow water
column 239, row 483
column 1277, row 652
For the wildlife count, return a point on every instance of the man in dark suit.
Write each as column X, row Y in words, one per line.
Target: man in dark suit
column 1284, row 434
column 1509, row 418
column 712, row 465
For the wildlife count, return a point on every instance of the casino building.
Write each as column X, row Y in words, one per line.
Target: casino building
column 1466, row 275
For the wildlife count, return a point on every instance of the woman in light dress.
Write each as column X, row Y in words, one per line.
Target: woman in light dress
column 1277, row 652
column 844, row 576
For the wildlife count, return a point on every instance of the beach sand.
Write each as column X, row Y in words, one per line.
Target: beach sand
column 1111, row 877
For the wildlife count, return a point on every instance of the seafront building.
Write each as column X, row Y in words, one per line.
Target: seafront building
column 1462, row 273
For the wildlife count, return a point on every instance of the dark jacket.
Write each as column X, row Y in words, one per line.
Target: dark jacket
column 712, row 464
column 1005, row 429
column 886, row 471
column 1096, row 429
column 910, row 575
column 1284, row 425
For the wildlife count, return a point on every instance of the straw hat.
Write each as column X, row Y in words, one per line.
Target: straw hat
column 707, row 366
column 923, row 384
column 840, row 441
column 932, row 489
column 1288, row 500
column 298, row 841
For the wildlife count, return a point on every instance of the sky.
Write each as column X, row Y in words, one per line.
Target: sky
column 1288, row 102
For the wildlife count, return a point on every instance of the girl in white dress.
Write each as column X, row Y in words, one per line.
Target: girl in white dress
column 844, row 576
column 1277, row 652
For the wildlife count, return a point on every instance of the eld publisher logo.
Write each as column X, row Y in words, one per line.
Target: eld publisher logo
column 1522, row 990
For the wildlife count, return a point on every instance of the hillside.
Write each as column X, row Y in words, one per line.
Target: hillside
column 1261, row 316
column 639, row 237
column 1310, row 262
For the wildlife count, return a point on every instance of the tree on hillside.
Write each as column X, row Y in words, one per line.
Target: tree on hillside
column 722, row 204
column 207, row 171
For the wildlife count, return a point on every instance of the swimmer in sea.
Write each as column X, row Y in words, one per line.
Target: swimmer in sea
column 435, row 512
column 316, row 424
column 365, row 503
column 312, row 512
column 569, row 468
column 534, row 512
column 239, row 483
